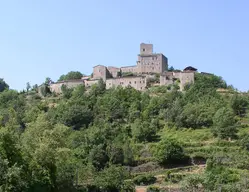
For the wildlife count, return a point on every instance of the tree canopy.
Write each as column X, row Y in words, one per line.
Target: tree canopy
column 71, row 75
column 3, row 85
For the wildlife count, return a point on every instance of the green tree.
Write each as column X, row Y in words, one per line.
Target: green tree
column 79, row 91
column 67, row 92
column 3, row 85
column 239, row 104
column 71, row 75
column 28, row 86
column 224, row 123
column 171, row 68
column 169, row 151
column 143, row 131
column 111, row 178
column 75, row 116
column 47, row 154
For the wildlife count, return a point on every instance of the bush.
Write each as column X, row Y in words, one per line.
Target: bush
column 128, row 186
column 192, row 183
column 224, row 124
column 175, row 178
column 244, row 141
column 153, row 189
column 169, row 151
column 144, row 180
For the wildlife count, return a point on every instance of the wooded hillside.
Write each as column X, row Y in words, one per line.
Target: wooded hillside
column 119, row 139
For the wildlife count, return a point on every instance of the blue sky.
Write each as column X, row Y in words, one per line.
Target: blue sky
column 47, row 38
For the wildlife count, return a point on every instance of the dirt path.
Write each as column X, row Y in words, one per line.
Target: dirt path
column 141, row 189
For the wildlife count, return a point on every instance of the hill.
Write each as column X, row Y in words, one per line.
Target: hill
column 122, row 139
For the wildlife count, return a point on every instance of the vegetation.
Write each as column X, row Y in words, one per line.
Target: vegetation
column 112, row 140
column 71, row 75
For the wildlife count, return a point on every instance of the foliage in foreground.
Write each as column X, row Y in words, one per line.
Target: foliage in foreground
column 91, row 139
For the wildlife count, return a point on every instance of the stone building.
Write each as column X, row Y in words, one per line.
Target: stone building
column 129, row 69
column 90, row 82
column 114, row 71
column 101, row 72
column 148, row 65
column 56, row 87
column 149, row 62
column 181, row 78
column 137, row 82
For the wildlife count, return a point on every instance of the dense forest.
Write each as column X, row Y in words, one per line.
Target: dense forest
column 121, row 139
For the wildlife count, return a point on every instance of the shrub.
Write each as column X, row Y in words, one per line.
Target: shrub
column 175, row 178
column 153, row 189
column 192, row 183
column 244, row 141
column 169, row 151
column 128, row 186
column 224, row 124
column 144, row 180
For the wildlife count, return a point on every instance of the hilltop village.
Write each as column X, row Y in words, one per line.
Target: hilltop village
column 151, row 69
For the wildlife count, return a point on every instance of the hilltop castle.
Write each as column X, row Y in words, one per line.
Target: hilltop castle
column 149, row 66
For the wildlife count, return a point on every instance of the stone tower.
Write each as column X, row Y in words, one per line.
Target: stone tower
column 146, row 49
column 149, row 62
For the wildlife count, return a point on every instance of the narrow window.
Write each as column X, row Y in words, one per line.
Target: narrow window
column 143, row 49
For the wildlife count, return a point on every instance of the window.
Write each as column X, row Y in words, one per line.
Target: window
column 129, row 82
column 143, row 49
column 135, row 82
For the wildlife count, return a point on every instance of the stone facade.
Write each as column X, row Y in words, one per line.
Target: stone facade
column 129, row 69
column 114, row 71
column 146, row 49
column 182, row 78
column 101, row 72
column 154, row 63
column 149, row 65
column 89, row 83
column 148, row 62
column 137, row 82
column 56, row 87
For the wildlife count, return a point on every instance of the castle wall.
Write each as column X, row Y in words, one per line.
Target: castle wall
column 186, row 77
column 89, row 83
column 132, row 69
column 155, row 63
column 169, row 78
column 56, row 87
column 164, row 63
column 166, row 79
column 138, row 82
column 114, row 71
column 100, row 72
